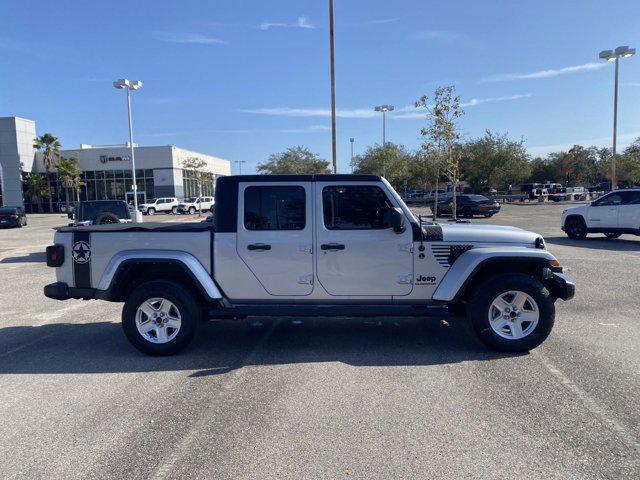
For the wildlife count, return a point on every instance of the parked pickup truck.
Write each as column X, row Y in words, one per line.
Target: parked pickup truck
column 310, row 245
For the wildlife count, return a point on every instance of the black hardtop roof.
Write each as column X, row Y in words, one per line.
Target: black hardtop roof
column 341, row 177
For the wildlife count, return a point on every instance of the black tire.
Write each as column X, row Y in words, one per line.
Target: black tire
column 187, row 305
column 612, row 235
column 575, row 228
column 467, row 213
column 488, row 215
column 105, row 219
column 482, row 298
column 174, row 210
column 192, row 210
column 151, row 211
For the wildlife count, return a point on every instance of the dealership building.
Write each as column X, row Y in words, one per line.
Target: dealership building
column 106, row 170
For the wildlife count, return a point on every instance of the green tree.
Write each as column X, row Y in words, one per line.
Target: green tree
column 443, row 134
column 69, row 174
column 49, row 146
column 294, row 160
column 196, row 166
column 494, row 161
column 37, row 188
column 395, row 159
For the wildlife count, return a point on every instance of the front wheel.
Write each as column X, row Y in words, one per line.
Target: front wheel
column 575, row 228
column 192, row 210
column 151, row 211
column 612, row 235
column 160, row 317
column 512, row 312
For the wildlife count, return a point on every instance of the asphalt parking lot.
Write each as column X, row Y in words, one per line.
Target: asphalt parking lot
column 323, row 398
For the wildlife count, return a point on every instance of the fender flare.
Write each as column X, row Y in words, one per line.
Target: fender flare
column 191, row 265
column 470, row 262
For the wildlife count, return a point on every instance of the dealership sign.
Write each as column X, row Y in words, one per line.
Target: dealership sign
column 105, row 159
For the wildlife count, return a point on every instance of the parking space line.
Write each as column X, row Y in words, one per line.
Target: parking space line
column 589, row 402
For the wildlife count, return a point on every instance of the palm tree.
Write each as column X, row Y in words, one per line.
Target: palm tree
column 69, row 175
column 49, row 146
column 36, row 189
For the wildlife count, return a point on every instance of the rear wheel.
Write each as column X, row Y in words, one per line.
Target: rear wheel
column 612, row 234
column 512, row 312
column 575, row 228
column 160, row 317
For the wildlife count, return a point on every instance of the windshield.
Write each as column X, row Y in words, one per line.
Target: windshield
column 8, row 211
column 91, row 210
column 190, row 199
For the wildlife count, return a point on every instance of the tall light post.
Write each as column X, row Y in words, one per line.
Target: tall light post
column 614, row 56
column 351, row 140
column 333, row 90
column 240, row 162
column 384, row 109
column 129, row 85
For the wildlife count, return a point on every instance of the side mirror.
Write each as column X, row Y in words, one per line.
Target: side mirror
column 395, row 219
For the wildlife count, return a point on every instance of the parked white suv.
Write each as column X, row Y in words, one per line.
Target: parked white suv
column 193, row 204
column 158, row 205
column 613, row 214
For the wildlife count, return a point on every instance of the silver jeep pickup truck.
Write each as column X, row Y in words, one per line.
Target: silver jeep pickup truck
column 310, row 245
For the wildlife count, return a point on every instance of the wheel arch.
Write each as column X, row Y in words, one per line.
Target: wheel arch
column 127, row 270
column 476, row 265
column 575, row 216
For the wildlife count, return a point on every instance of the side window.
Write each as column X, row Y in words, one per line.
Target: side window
column 274, row 208
column 631, row 198
column 354, row 207
column 610, row 200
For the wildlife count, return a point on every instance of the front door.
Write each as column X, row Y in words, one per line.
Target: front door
column 357, row 253
column 604, row 211
column 275, row 235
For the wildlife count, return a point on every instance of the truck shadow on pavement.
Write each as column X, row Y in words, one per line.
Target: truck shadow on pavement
column 224, row 346
column 33, row 257
column 600, row 243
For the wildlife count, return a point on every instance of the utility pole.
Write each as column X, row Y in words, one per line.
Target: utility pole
column 333, row 90
column 352, row 140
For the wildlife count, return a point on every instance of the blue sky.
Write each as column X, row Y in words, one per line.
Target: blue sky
column 242, row 79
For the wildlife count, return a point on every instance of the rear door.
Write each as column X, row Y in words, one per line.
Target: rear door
column 358, row 254
column 275, row 235
column 629, row 211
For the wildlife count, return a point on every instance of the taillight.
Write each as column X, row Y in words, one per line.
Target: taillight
column 55, row 255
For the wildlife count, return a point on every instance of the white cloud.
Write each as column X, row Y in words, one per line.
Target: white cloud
column 301, row 22
column 312, row 112
column 544, row 73
column 623, row 140
column 187, row 37
column 411, row 112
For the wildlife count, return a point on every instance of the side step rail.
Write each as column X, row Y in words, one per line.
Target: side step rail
column 240, row 311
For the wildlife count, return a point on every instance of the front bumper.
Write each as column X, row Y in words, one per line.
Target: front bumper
column 561, row 286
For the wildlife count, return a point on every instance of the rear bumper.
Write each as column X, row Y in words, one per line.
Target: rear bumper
column 561, row 286
column 62, row 291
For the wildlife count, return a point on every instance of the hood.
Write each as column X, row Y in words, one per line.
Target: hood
column 464, row 232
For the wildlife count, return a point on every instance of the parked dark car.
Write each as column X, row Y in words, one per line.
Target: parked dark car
column 12, row 217
column 469, row 205
column 100, row 212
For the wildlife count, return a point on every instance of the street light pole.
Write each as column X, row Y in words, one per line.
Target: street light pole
column 129, row 85
column 351, row 140
column 614, row 56
column 384, row 109
column 333, row 90
column 240, row 162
